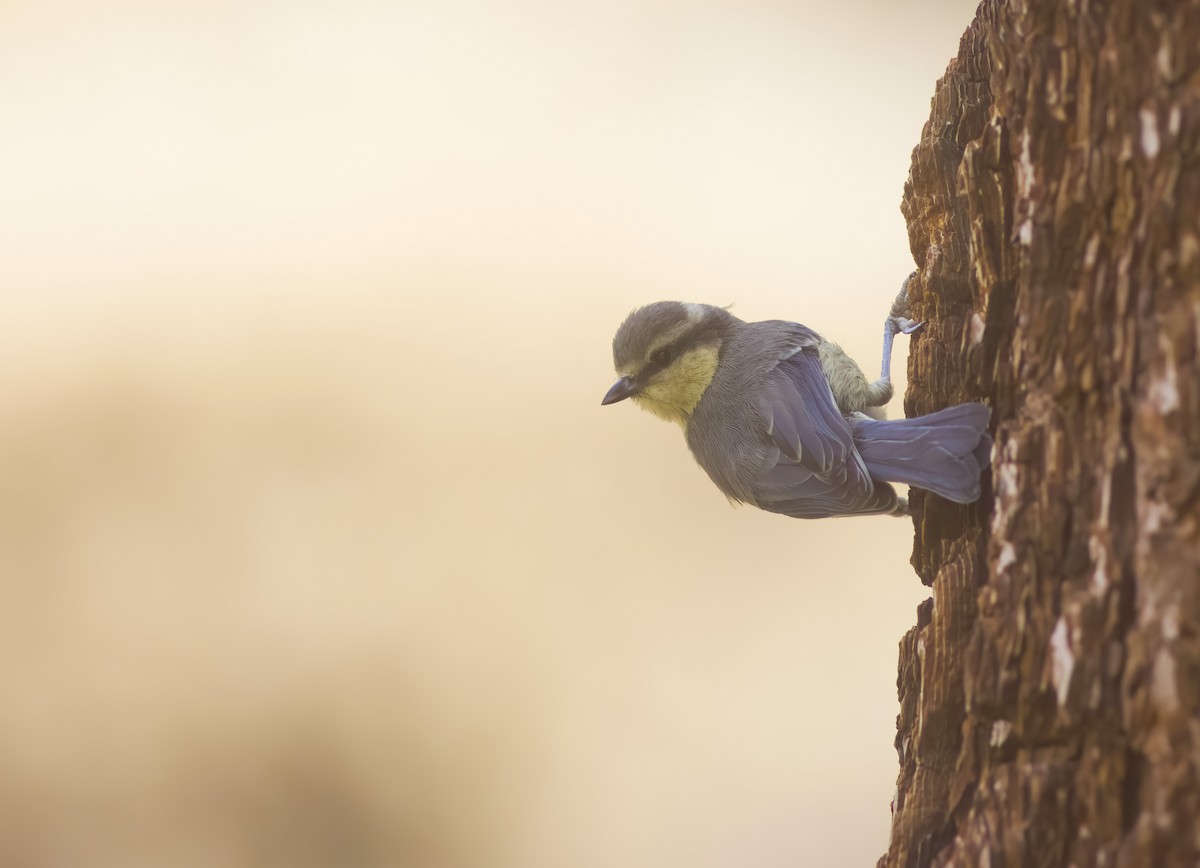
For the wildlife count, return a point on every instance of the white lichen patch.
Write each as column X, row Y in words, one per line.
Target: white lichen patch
column 1001, row 729
column 1148, row 606
column 1189, row 252
column 1026, row 178
column 1007, row 557
column 1025, row 173
column 921, row 685
column 1105, row 499
column 1099, row 554
column 1164, row 692
column 1164, row 391
column 977, row 328
column 1170, row 623
column 1008, row 486
column 1004, row 472
column 1062, row 661
column 1162, row 59
column 1150, row 141
column 1125, row 153
column 1153, row 516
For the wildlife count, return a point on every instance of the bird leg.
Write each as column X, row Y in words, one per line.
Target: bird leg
column 896, row 323
column 850, row 387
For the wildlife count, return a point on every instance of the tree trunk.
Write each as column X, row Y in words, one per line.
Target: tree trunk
column 1050, row 692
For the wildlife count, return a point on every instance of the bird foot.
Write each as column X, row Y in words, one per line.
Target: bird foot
column 897, row 323
column 903, row 325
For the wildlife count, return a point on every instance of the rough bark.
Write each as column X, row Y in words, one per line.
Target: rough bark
column 1050, row 692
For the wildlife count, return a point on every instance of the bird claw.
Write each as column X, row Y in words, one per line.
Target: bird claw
column 903, row 325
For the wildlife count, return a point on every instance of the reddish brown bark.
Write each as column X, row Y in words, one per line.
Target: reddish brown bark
column 1050, row 692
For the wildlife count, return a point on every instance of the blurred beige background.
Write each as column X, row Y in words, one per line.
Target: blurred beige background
column 316, row 547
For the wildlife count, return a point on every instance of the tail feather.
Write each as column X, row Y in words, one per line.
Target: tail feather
column 944, row 452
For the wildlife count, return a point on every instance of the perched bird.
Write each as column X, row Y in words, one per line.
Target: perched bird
column 784, row 420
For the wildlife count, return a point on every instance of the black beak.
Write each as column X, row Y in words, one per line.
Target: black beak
column 620, row 390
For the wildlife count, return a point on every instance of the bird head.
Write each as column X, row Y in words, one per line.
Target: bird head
column 666, row 354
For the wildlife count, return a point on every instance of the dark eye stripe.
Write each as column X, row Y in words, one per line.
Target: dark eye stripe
column 705, row 332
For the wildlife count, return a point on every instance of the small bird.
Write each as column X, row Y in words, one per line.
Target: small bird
column 782, row 419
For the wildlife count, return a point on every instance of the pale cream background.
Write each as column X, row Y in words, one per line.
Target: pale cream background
column 316, row 547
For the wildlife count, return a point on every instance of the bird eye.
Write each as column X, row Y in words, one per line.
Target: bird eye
column 661, row 356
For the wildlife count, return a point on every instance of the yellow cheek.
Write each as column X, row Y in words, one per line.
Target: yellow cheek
column 695, row 370
column 675, row 392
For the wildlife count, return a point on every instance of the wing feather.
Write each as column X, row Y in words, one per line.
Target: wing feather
column 815, row 470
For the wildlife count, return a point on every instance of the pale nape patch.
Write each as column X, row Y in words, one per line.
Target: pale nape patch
column 673, row 393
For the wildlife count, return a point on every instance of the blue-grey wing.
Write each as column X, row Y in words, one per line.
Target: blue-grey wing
column 812, row 469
